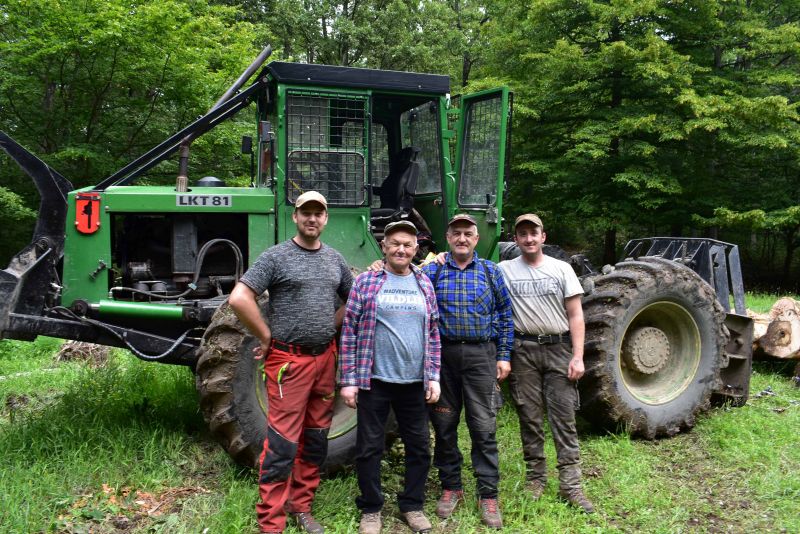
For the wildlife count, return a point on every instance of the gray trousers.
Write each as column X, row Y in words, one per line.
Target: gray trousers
column 539, row 380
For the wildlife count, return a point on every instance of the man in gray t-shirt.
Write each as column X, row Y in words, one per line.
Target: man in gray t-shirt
column 303, row 277
column 547, row 358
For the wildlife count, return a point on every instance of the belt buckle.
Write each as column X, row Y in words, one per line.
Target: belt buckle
column 540, row 338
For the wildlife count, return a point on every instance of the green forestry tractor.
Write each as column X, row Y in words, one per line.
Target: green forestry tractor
column 149, row 268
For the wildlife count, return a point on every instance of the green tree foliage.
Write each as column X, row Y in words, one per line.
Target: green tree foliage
column 422, row 36
column 637, row 115
column 16, row 220
column 90, row 85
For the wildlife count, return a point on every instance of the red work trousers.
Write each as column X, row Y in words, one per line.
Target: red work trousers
column 298, row 420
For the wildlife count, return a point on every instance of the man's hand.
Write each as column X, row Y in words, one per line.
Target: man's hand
column 503, row 368
column 262, row 350
column 440, row 258
column 350, row 395
column 244, row 304
column 375, row 266
column 432, row 395
column 576, row 369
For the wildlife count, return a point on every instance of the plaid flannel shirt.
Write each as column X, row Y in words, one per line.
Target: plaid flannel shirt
column 467, row 308
column 357, row 346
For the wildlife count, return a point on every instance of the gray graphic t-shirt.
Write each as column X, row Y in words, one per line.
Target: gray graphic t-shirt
column 538, row 293
column 399, row 330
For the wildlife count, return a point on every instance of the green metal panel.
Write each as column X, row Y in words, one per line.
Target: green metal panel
column 162, row 199
column 261, row 235
column 87, row 257
column 482, row 130
column 348, row 229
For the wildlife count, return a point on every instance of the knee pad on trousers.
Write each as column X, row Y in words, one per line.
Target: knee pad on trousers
column 315, row 446
column 278, row 460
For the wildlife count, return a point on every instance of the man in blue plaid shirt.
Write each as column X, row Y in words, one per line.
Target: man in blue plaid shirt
column 476, row 327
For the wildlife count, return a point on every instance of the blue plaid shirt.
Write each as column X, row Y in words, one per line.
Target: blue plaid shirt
column 467, row 308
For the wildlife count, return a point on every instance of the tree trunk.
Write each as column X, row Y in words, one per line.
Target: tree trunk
column 791, row 245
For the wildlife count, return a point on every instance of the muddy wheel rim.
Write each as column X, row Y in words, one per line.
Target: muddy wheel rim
column 660, row 353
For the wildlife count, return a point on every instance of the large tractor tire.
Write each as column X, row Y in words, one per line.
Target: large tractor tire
column 654, row 338
column 233, row 398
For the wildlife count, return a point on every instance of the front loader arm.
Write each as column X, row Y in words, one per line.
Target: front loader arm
column 31, row 274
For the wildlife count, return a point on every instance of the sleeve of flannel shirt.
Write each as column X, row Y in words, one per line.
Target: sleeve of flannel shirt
column 349, row 341
column 503, row 317
column 435, row 341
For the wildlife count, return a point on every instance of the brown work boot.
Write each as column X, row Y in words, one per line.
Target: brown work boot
column 448, row 502
column 370, row 523
column 490, row 513
column 576, row 498
column 536, row 487
column 307, row 523
column 416, row 521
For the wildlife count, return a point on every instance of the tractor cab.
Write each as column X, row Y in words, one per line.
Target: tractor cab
column 379, row 146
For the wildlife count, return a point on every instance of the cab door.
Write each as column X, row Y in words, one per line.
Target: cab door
column 481, row 163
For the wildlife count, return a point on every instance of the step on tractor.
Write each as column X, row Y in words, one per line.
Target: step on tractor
column 148, row 267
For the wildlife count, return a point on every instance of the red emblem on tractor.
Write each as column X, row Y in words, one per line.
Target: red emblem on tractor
column 87, row 212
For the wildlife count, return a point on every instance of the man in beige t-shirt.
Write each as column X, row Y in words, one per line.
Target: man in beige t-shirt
column 547, row 359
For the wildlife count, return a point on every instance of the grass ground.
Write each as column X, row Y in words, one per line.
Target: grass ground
column 122, row 448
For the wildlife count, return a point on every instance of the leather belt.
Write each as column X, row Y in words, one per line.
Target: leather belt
column 451, row 340
column 544, row 339
column 305, row 350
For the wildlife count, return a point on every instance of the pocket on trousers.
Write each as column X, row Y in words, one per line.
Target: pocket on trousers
column 497, row 399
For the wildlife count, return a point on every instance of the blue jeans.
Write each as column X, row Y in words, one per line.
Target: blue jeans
column 408, row 403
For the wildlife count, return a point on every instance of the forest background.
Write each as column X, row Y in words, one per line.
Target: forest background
column 631, row 118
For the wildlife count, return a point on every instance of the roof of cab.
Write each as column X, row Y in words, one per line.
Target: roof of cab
column 328, row 75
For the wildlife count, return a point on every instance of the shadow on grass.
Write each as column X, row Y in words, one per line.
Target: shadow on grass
column 775, row 367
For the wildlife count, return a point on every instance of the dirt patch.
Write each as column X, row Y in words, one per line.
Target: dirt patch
column 123, row 508
column 80, row 351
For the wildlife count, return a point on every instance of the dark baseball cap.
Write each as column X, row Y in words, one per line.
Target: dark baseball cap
column 462, row 217
column 392, row 227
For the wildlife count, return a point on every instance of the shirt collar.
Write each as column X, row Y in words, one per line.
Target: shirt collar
column 452, row 262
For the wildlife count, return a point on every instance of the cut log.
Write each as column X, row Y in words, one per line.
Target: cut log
column 760, row 324
column 782, row 336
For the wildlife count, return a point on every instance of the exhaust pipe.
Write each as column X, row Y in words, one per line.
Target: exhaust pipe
column 182, row 181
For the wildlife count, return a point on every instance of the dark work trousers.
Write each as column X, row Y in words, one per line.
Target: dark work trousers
column 408, row 403
column 468, row 380
column 539, row 380
column 299, row 417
